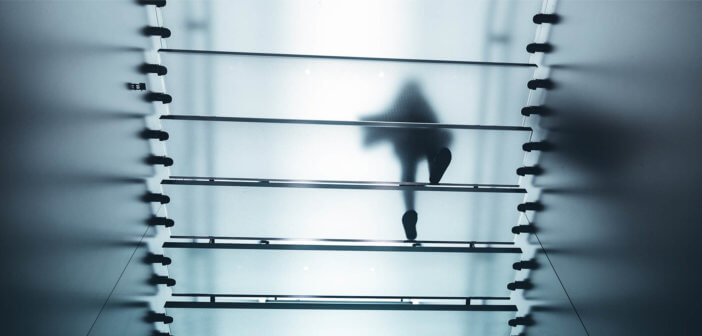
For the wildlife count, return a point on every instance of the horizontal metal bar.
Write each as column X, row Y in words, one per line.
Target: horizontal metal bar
column 417, row 184
column 235, row 182
column 338, row 306
column 338, row 240
column 371, row 248
column 344, row 297
column 336, row 57
column 388, row 124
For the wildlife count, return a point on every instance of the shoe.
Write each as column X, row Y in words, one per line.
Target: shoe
column 438, row 166
column 409, row 222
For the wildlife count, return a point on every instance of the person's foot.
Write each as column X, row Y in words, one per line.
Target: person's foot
column 409, row 222
column 438, row 166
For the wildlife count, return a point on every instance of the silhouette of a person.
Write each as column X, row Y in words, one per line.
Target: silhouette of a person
column 412, row 145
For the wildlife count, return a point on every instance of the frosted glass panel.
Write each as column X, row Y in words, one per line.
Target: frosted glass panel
column 277, row 87
column 354, row 273
column 488, row 30
column 224, row 322
column 339, row 213
column 324, row 152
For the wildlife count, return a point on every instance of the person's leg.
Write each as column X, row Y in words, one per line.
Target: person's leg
column 438, row 163
column 409, row 218
column 409, row 174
